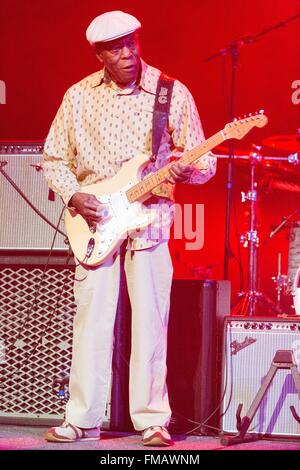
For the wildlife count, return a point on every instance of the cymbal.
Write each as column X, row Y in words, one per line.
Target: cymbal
column 223, row 149
column 282, row 142
column 273, row 183
column 266, row 163
column 284, row 171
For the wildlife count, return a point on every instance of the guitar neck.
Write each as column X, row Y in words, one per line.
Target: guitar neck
column 143, row 189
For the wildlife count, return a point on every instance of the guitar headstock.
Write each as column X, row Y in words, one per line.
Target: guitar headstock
column 238, row 128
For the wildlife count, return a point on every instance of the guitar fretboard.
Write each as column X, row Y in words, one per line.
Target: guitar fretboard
column 144, row 187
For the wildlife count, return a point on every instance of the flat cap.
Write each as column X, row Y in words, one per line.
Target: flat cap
column 111, row 25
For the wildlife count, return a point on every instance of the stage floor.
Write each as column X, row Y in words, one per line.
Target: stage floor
column 14, row 437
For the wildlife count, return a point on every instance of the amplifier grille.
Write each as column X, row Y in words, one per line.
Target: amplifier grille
column 21, row 227
column 36, row 321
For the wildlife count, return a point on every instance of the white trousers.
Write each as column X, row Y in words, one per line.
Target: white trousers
column 149, row 276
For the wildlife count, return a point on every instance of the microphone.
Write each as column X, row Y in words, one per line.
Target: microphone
column 279, row 227
column 283, row 222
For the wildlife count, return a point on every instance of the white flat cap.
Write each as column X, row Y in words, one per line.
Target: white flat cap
column 111, row 25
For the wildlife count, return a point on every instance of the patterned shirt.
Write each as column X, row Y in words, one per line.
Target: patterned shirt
column 100, row 126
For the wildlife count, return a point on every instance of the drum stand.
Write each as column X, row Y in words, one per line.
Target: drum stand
column 249, row 300
column 281, row 281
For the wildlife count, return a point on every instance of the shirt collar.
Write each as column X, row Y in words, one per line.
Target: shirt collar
column 148, row 80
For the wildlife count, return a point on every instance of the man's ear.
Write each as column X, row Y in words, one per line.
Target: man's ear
column 98, row 54
column 99, row 57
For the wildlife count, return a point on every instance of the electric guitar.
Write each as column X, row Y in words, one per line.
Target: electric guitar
column 124, row 194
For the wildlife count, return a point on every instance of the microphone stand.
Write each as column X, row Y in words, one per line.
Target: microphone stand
column 233, row 49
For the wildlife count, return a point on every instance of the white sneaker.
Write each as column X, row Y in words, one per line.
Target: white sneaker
column 67, row 432
column 157, row 436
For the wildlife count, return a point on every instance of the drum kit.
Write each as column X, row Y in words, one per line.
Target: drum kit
column 272, row 173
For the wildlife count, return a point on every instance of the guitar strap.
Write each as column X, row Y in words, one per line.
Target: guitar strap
column 161, row 111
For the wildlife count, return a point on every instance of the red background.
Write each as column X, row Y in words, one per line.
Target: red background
column 44, row 51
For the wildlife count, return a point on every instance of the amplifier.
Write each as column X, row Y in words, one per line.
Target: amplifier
column 250, row 345
column 36, row 320
column 21, row 227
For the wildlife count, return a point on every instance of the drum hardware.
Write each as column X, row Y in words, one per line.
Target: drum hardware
column 233, row 50
column 281, row 281
column 293, row 287
column 294, row 158
column 287, row 284
column 249, row 300
column 294, row 247
column 296, row 292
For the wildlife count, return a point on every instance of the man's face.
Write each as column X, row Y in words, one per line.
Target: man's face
column 121, row 57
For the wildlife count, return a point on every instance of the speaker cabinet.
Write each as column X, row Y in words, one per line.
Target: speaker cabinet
column 21, row 226
column 36, row 318
column 196, row 322
column 250, row 345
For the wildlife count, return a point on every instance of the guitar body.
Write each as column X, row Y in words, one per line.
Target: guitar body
column 92, row 249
